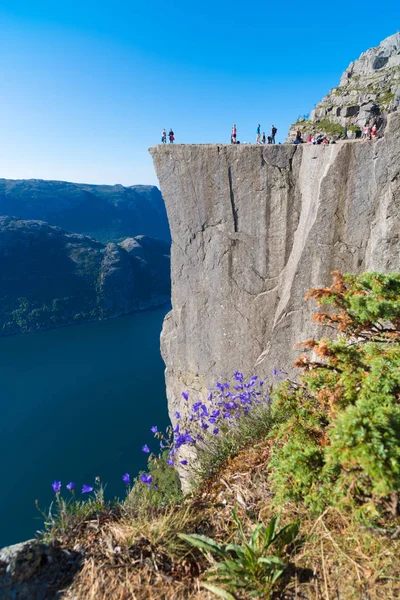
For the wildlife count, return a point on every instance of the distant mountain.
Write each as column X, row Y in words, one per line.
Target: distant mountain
column 50, row 277
column 108, row 213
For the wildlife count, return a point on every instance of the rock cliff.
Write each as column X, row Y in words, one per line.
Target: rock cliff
column 253, row 228
column 369, row 90
column 51, row 277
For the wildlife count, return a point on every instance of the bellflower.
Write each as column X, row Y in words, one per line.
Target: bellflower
column 86, row 489
column 185, row 395
column 177, row 415
column 146, row 449
column 183, row 462
column 70, row 486
column 147, row 479
column 56, row 486
column 154, row 429
column 126, row 478
column 170, row 462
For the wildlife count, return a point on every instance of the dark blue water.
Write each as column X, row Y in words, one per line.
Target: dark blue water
column 75, row 403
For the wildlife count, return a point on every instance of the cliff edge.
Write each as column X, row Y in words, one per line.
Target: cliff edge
column 253, row 228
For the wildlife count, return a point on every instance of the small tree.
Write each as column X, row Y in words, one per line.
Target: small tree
column 338, row 431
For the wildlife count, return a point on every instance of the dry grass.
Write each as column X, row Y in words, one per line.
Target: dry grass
column 141, row 557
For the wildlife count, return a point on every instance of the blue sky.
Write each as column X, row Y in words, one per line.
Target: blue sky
column 88, row 86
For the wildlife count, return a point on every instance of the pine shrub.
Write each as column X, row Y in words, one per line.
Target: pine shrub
column 337, row 432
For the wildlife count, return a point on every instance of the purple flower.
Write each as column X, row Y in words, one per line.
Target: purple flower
column 220, row 386
column 56, row 486
column 71, row 486
column 215, row 414
column 162, row 445
column 185, row 395
column 238, row 376
column 154, row 429
column 274, row 372
column 184, row 462
column 86, row 489
column 261, row 383
column 196, row 406
column 147, row 479
column 126, row 478
column 216, row 431
column 177, row 415
column 203, row 425
column 146, row 449
column 209, row 397
column 212, row 420
column 176, row 429
column 170, row 462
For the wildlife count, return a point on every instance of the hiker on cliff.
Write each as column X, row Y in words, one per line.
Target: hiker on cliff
column 367, row 132
column 171, row 136
column 233, row 135
column 164, row 136
column 258, row 133
column 298, row 137
column 374, row 131
column 273, row 134
column 309, row 139
column 263, row 138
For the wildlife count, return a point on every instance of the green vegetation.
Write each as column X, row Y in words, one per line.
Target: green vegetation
column 329, row 127
column 338, row 431
column 249, row 566
column 386, row 98
column 324, row 462
column 354, row 128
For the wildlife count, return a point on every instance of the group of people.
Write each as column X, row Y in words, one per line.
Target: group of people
column 315, row 139
column 259, row 140
column 171, row 136
column 369, row 133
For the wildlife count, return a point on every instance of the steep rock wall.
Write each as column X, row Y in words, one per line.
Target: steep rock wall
column 253, row 228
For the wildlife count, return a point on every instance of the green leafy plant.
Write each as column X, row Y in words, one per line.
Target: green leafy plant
column 255, row 566
column 337, row 437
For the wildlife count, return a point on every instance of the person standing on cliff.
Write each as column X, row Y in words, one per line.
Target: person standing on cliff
column 258, row 133
column 171, row 136
column 273, row 134
column 263, row 138
column 164, row 136
column 233, row 135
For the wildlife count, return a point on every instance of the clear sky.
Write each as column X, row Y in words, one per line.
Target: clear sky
column 86, row 87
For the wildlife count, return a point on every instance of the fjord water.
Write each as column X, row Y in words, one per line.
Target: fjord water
column 76, row 403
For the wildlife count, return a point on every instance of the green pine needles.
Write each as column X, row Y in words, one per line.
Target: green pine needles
column 337, row 433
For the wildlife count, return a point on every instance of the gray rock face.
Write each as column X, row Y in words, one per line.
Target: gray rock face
column 253, row 228
column 50, row 277
column 369, row 90
column 35, row 571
